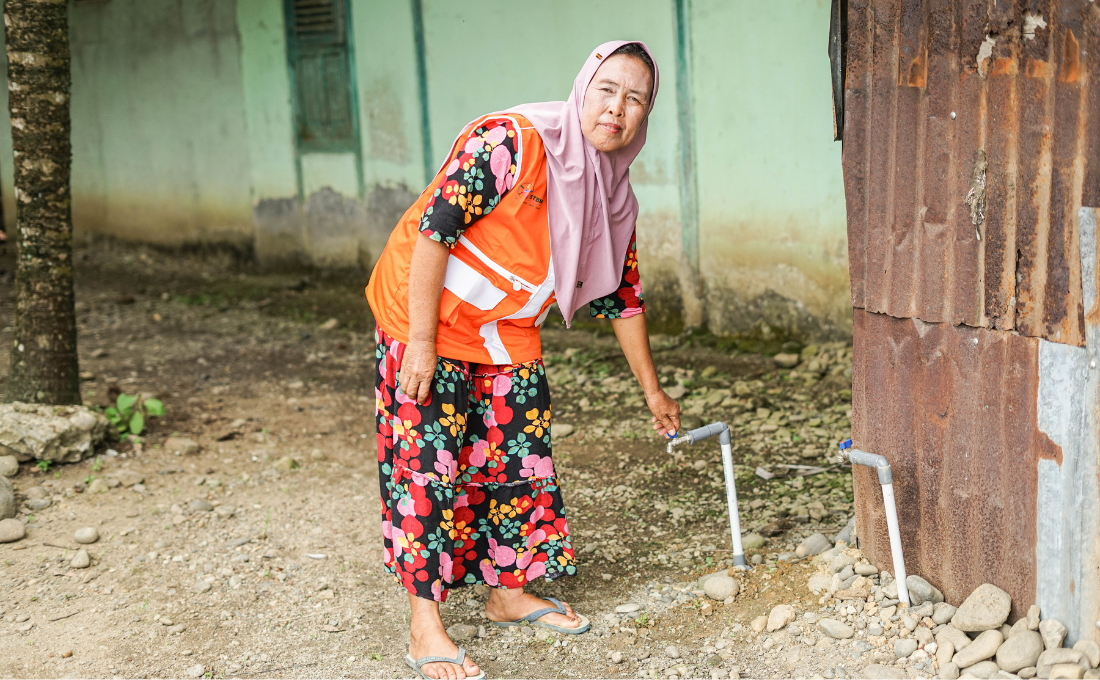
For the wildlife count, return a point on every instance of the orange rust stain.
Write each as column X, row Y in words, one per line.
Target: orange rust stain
column 1070, row 59
column 1037, row 68
column 918, row 72
column 1005, row 67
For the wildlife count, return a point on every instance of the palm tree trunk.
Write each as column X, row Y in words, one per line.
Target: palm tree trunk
column 43, row 353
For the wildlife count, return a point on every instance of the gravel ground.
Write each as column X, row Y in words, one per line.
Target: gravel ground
column 235, row 562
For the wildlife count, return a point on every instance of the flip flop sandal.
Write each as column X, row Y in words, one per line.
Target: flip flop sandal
column 533, row 617
column 420, row 663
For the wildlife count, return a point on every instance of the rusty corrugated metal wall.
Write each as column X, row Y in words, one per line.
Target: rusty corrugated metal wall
column 971, row 138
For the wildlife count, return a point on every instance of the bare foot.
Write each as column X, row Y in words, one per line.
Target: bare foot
column 427, row 637
column 512, row 604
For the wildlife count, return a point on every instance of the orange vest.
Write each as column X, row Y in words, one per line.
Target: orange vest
column 499, row 283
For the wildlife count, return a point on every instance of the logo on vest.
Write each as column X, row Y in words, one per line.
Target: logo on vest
column 524, row 192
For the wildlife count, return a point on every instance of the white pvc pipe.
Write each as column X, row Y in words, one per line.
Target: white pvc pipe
column 895, row 541
column 731, row 502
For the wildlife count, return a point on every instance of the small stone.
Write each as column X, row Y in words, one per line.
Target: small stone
column 1053, row 633
column 945, row 651
column 616, row 657
column 627, row 608
column 9, row 466
column 195, row 671
column 330, row 325
column 81, row 560
column 949, row 671
column 7, row 498
column 86, row 535
column 225, row 511
column 461, row 632
column 904, row 647
column 1093, row 674
column 721, row 587
column 1091, row 650
column 66, row 654
column 983, row 647
column 1053, row 657
column 1033, row 617
column 780, row 616
column 286, row 464
column 835, row 629
column 840, row 562
column 129, row 477
column 1016, row 628
column 759, row 624
column 672, row 652
column 875, row 671
column 812, row 545
column 98, row 485
column 956, row 637
column 909, row 623
column 183, row 446
column 1027, row 673
column 317, row 455
column 985, row 609
column 200, row 505
column 982, row 669
column 1066, row 670
column 943, row 612
column 866, row 569
column 1021, row 650
column 919, row 589
column 38, row 504
column 752, row 541
column 176, row 629
column 201, row 587
column 787, row 360
column 11, row 530
column 819, row 582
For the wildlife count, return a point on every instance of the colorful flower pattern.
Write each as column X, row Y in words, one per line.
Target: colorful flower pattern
column 483, row 169
column 627, row 300
column 469, row 491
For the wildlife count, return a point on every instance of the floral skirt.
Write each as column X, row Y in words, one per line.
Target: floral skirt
column 469, row 492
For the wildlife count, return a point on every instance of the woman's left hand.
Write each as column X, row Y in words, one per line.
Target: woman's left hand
column 666, row 413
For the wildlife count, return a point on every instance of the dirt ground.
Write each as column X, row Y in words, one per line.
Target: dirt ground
column 283, row 577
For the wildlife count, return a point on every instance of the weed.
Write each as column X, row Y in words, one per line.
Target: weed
column 376, row 656
column 130, row 411
column 97, row 465
column 43, row 465
column 89, row 479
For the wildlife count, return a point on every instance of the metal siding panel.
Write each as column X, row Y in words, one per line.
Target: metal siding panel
column 1090, row 46
column 857, row 102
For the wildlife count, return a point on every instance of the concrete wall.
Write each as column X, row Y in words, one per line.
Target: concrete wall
column 183, row 131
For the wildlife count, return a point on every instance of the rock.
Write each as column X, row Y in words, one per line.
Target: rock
column 1033, row 617
column 1027, row 673
column 195, row 671
column 286, row 464
column 985, row 609
column 888, row 672
column 201, row 587
column 847, row 533
column 129, row 477
column 37, row 504
column 919, row 589
column 98, row 485
column 752, row 541
column 943, row 612
column 330, row 325
column 461, row 632
column 317, row 455
column 182, row 446
column 628, row 608
column 561, row 430
column 759, row 624
column 225, row 511
column 81, row 560
column 86, row 535
column 945, row 651
column 1020, row 651
column 63, row 434
column 956, row 637
column 983, row 647
column 780, row 616
column 982, row 669
column 835, row 629
column 36, row 493
column 787, row 360
column 819, row 582
column 904, row 647
column 176, row 629
column 1017, row 628
column 1053, row 633
column 720, row 587
column 949, row 671
column 924, row 637
column 1066, row 670
column 11, row 530
column 7, row 499
column 1093, row 674
column 672, row 652
column 616, row 657
column 1059, row 655
column 909, row 623
column 866, row 569
column 200, row 505
column 9, row 466
column 812, row 545
column 840, row 562
column 1091, row 650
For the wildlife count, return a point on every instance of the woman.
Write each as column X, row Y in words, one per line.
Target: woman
column 533, row 206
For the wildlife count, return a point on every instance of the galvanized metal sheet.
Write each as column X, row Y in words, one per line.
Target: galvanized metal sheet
column 954, row 410
column 971, row 137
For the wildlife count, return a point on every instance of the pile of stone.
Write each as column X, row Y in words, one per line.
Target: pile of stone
column 931, row 636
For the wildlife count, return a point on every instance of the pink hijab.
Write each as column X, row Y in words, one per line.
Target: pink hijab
column 591, row 206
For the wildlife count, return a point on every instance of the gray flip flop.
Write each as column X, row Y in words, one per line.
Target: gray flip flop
column 420, row 663
column 533, row 617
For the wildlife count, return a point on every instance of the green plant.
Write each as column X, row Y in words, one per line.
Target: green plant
column 89, row 479
column 43, row 465
column 97, row 465
column 129, row 413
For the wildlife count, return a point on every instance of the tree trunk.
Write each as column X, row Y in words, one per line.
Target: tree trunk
column 43, row 354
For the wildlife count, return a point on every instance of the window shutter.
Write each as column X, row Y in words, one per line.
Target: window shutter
column 320, row 55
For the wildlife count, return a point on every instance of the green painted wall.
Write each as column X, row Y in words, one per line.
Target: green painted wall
column 771, row 194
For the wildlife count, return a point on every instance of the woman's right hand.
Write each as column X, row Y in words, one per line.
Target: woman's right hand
column 417, row 370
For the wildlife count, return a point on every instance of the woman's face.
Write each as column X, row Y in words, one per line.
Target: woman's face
column 616, row 102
